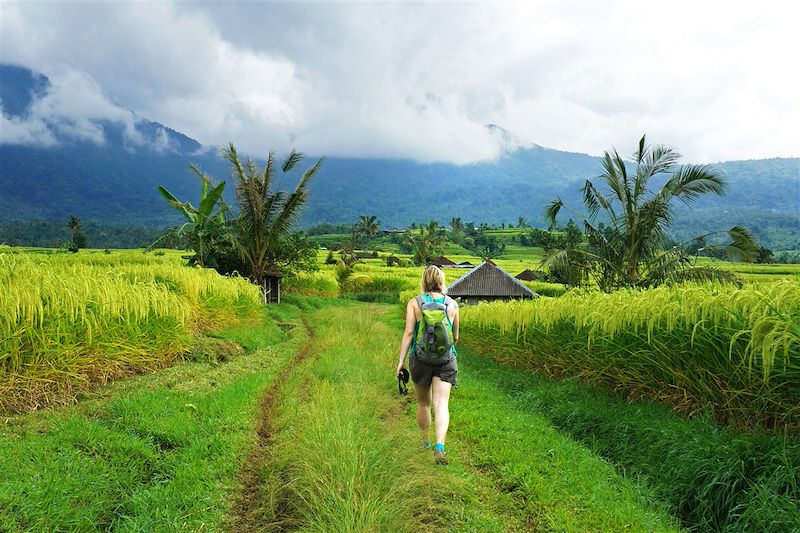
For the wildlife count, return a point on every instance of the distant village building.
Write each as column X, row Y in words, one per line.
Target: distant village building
column 442, row 262
column 488, row 282
column 464, row 264
column 393, row 231
column 531, row 275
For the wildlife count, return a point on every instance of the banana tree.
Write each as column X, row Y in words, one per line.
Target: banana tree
column 204, row 227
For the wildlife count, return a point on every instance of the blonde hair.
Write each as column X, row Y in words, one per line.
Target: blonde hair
column 433, row 280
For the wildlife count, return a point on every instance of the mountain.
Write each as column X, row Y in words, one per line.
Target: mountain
column 111, row 178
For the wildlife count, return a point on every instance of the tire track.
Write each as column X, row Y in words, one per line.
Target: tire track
column 247, row 509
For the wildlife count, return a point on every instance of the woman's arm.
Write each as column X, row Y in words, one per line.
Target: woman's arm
column 408, row 334
column 456, row 320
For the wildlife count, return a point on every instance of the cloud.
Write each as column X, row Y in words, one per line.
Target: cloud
column 70, row 107
column 423, row 80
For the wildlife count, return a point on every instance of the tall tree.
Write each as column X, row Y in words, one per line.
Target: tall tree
column 78, row 238
column 632, row 250
column 426, row 242
column 456, row 225
column 265, row 216
column 366, row 227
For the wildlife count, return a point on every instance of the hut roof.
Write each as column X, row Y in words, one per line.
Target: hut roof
column 530, row 275
column 273, row 272
column 441, row 261
column 488, row 279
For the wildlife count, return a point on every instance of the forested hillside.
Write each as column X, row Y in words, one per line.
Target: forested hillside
column 114, row 182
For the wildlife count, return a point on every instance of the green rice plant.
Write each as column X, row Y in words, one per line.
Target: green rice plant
column 159, row 452
column 66, row 323
column 321, row 283
column 713, row 478
column 734, row 351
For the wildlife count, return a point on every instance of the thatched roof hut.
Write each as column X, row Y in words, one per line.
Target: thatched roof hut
column 488, row 282
column 442, row 262
column 531, row 275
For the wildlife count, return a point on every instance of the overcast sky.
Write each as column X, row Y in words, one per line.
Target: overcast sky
column 717, row 80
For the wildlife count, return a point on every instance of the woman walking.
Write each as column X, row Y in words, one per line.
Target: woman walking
column 430, row 334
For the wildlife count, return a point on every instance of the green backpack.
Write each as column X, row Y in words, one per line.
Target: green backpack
column 433, row 338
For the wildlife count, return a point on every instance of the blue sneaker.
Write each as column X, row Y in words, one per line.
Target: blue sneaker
column 439, row 455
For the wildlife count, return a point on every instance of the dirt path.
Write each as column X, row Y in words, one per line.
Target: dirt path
column 246, row 511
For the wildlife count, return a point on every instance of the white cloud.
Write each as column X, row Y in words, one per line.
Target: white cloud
column 422, row 80
column 69, row 108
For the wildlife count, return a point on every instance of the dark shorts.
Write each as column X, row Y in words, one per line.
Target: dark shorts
column 422, row 373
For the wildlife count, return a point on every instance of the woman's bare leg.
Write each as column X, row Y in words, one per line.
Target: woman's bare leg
column 424, row 411
column 441, row 412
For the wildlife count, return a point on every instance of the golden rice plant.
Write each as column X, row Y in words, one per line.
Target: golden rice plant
column 67, row 321
column 735, row 351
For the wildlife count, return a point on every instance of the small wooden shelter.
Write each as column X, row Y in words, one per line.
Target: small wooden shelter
column 464, row 264
column 488, row 282
column 272, row 286
column 531, row 275
column 442, row 262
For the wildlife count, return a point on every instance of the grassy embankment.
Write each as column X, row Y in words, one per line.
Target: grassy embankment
column 158, row 452
column 71, row 321
column 714, row 479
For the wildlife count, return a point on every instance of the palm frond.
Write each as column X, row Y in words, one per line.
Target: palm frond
column 692, row 181
column 707, row 273
column 230, row 154
column 743, row 245
column 611, row 175
column 640, row 153
column 292, row 160
column 593, row 200
column 269, row 169
column 657, row 160
column 551, row 211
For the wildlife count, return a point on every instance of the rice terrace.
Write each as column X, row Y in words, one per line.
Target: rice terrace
column 425, row 321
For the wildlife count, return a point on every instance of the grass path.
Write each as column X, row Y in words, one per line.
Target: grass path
column 246, row 506
column 343, row 454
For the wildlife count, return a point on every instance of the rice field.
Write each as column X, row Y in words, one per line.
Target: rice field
column 733, row 353
column 71, row 320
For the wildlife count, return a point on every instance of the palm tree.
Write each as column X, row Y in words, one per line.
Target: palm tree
column 632, row 249
column 265, row 216
column 521, row 222
column 368, row 226
column 78, row 238
column 345, row 276
column 74, row 224
column 426, row 242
